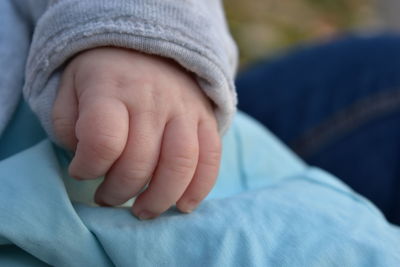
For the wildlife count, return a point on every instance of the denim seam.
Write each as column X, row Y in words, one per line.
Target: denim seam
column 346, row 120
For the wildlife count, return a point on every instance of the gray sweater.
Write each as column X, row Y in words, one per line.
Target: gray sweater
column 39, row 36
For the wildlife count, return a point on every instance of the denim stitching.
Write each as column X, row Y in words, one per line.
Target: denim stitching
column 344, row 121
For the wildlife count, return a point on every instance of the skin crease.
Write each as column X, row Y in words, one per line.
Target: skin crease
column 138, row 119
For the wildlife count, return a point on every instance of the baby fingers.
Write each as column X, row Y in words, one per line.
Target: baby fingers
column 101, row 131
column 207, row 167
column 175, row 169
column 65, row 112
column 136, row 165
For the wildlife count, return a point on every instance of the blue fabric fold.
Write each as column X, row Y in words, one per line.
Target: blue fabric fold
column 267, row 209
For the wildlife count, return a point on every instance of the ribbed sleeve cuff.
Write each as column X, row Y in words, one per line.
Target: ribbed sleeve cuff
column 186, row 31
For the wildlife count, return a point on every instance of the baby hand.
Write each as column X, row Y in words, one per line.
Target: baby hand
column 138, row 119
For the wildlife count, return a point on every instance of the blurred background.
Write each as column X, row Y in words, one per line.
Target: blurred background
column 268, row 27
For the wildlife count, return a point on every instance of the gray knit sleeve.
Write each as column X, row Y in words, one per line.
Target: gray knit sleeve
column 192, row 32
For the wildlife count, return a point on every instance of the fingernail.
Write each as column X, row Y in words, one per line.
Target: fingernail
column 74, row 174
column 146, row 215
column 101, row 202
column 104, row 199
column 98, row 198
column 189, row 206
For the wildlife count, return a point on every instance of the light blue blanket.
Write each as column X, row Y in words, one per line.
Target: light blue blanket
column 267, row 209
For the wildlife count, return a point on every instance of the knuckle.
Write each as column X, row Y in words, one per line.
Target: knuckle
column 124, row 81
column 150, row 99
column 104, row 146
column 126, row 180
column 62, row 124
column 132, row 175
column 148, row 112
column 64, row 130
column 119, row 80
column 214, row 152
column 181, row 163
column 111, row 80
column 211, row 158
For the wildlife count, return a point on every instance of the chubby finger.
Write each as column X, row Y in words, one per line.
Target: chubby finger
column 101, row 130
column 136, row 165
column 175, row 169
column 207, row 167
column 65, row 112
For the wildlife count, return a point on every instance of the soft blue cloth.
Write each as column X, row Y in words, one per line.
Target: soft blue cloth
column 267, row 209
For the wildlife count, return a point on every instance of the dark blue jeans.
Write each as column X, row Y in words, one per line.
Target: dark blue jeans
column 337, row 105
